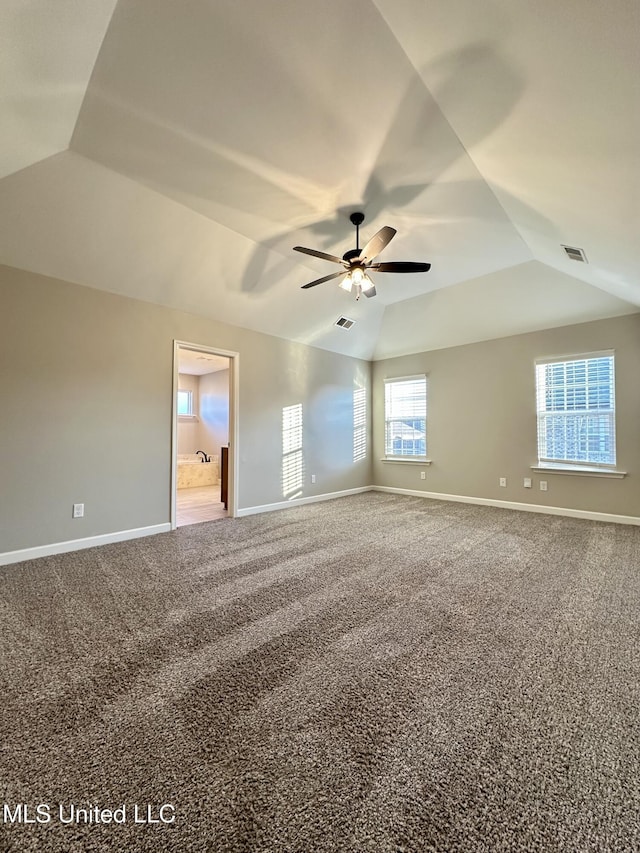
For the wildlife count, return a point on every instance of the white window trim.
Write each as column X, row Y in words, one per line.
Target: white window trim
column 191, row 417
column 407, row 460
column 551, row 359
column 404, row 460
column 593, row 469
column 578, row 470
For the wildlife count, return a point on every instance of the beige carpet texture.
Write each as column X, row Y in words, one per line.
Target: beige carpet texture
column 374, row 673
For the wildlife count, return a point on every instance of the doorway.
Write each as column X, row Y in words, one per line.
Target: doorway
column 203, row 459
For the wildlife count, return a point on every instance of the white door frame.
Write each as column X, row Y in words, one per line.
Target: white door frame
column 234, row 369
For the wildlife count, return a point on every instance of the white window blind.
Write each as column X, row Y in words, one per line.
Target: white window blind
column 359, row 424
column 576, row 410
column 405, row 411
column 292, row 457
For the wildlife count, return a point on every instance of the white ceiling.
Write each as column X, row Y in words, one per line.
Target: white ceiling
column 198, row 363
column 177, row 152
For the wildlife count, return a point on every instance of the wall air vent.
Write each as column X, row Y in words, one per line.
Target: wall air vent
column 344, row 322
column 576, row 254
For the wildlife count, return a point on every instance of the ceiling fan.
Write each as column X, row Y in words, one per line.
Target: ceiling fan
column 357, row 262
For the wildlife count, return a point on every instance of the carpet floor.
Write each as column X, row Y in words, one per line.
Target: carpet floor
column 375, row 673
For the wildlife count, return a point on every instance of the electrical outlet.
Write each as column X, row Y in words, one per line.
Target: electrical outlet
column 423, row 475
column 78, row 510
column 527, row 482
column 313, row 478
column 543, row 485
column 503, row 482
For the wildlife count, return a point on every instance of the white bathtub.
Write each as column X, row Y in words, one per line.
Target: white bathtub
column 192, row 471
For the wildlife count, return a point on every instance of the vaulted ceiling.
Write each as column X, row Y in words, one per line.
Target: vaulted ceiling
column 176, row 152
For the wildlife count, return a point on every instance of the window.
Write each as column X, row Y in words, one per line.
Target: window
column 405, row 413
column 359, row 424
column 576, row 410
column 292, row 458
column 185, row 403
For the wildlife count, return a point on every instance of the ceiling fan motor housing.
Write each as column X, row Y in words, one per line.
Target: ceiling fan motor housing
column 351, row 254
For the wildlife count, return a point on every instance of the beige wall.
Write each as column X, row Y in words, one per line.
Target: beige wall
column 189, row 429
column 214, row 411
column 86, row 389
column 481, row 420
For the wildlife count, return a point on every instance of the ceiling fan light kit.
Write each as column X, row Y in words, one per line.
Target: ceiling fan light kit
column 356, row 262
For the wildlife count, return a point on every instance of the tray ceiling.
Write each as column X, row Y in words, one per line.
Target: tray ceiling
column 177, row 152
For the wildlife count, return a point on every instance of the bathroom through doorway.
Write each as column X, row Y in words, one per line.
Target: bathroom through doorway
column 203, row 463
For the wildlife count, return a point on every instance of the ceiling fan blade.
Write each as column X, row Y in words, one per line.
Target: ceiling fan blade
column 377, row 243
column 317, row 254
column 322, row 280
column 400, row 266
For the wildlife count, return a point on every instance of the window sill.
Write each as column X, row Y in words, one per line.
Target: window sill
column 188, row 418
column 411, row 460
column 579, row 471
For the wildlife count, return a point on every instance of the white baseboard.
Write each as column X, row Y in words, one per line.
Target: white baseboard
column 77, row 544
column 254, row 510
column 547, row 510
column 9, row 557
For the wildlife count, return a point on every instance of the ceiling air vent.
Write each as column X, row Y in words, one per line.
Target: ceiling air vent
column 344, row 322
column 576, row 254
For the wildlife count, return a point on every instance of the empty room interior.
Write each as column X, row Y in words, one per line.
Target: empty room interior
column 320, row 457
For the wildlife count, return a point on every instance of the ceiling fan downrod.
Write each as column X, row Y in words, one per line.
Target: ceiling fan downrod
column 357, row 219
